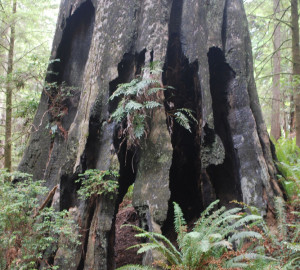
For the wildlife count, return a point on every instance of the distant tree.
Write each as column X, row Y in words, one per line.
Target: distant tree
column 296, row 65
column 24, row 52
column 268, row 73
column 9, row 89
column 275, row 124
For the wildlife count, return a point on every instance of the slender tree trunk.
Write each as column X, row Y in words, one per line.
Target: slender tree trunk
column 292, row 109
column 296, row 66
column 9, row 92
column 275, row 124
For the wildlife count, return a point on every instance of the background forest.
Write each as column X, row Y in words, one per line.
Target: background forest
column 27, row 30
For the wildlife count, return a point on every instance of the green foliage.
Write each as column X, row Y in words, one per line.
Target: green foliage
column 261, row 21
column 288, row 155
column 281, row 216
column 34, row 28
column 25, row 234
column 184, row 117
column 58, row 95
column 97, row 182
column 209, row 245
column 287, row 246
column 135, row 267
column 129, row 193
column 139, row 98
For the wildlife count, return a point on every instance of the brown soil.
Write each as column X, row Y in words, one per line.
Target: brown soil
column 125, row 238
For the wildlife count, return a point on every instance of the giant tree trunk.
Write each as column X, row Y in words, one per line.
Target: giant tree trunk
column 204, row 50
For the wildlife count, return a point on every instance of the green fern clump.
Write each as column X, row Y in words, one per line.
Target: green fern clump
column 138, row 99
column 209, row 245
column 288, row 154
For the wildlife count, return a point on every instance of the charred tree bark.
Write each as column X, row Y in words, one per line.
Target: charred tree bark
column 205, row 53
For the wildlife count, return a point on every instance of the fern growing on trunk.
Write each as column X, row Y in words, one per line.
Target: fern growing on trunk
column 138, row 99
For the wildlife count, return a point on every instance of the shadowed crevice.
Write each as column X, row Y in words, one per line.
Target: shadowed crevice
column 68, row 67
column 224, row 177
column 130, row 66
column 186, row 165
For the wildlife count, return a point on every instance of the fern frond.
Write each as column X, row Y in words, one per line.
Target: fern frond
column 243, row 235
column 119, row 114
column 146, row 247
column 139, row 125
column 281, row 216
column 223, row 243
column 169, row 246
column 291, row 263
column 151, row 104
column 133, row 106
column 193, row 253
column 221, row 218
column 293, row 246
column 170, row 252
column 251, row 257
column 189, row 113
column 155, row 67
column 205, row 221
column 234, row 265
column 218, row 222
column 125, row 89
column 146, row 83
column 242, row 222
column 179, row 222
column 182, row 120
column 296, row 233
column 135, row 267
column 208, row 209
column 154, row 90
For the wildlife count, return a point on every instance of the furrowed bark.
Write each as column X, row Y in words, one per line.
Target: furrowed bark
column 204, row 50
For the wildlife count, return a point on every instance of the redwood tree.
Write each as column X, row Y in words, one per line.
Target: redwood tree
column 203, row 48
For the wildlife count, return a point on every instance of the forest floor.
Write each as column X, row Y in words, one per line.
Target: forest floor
column 125, row 236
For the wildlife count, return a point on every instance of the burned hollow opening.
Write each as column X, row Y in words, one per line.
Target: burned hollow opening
column 130, row 66
column 185, row 168
column 224, row 177
column 103, row 143
column 122, row 238
column 67, row 73
column 66, row 70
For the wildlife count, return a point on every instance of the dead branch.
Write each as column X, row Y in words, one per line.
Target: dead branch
column 49, row 197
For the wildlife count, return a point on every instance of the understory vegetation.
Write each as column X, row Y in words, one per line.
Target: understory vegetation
column 29, row 231
column 219, row 239
column 224, row 239
column 288, row 163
